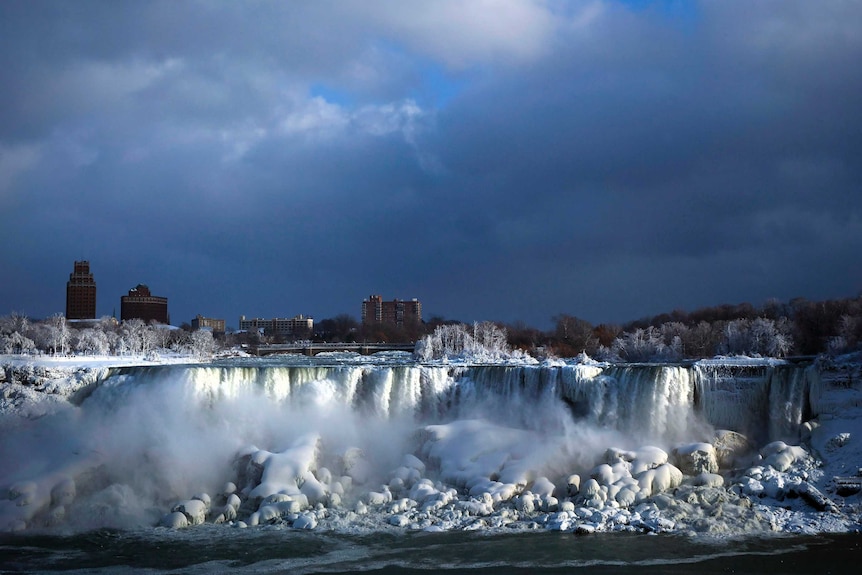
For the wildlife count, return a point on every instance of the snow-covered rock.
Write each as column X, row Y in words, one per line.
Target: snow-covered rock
column 696, row 458
column 729, row 447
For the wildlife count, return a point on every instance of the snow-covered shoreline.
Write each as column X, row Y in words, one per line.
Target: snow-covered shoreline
column 781, row 488
column 33, row 385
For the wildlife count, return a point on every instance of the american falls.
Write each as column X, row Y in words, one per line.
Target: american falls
column 358, row 445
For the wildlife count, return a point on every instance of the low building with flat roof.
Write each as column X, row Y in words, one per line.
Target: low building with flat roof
column 214, row 325
column 299, row 325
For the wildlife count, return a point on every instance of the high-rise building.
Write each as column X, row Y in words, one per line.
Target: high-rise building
column 81, row 292
column 141, row 304
column 396, row 312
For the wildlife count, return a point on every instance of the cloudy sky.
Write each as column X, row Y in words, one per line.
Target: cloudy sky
column 505, row 160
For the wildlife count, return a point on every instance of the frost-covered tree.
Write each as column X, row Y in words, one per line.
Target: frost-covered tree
column 770, row 337
column 735, row 338
column 180, row 341
column 91, row 341
column 202, row 343
column 446, row 341
column 483, row 341
column 57, row 334
column 13, row 338
column 14, row 322
column 642, row 345
column 16, row 343
column 132, row 339
column 847, row 338
column 160, row 335
column 488, row 337
column 149, row 339
column 673, row 334
column 604, row 353
column 760, row 336
column 673, row 329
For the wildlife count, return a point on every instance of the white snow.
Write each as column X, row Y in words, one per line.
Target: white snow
column 362, row 447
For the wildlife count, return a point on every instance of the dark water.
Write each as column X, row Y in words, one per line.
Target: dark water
column 222, row 550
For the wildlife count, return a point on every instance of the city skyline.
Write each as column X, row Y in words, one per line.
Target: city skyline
column 606, row 159
column 140, row 303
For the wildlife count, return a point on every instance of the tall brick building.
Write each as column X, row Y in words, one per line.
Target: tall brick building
column 396, row 312
column 81, row 292
column 141, row 304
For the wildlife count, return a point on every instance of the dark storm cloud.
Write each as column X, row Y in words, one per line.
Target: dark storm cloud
column 674, row 143
column 606, row 159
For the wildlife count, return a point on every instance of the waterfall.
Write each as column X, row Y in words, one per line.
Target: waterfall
column 144, row 436
column 653, row 401
column 661, row 403
column 790, row 401
column 764, row 402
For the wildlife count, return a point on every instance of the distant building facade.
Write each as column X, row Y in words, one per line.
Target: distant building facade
column 396, row 312
column 81, row 292
column 214, row 325
column 141, row 304
column 297, row 325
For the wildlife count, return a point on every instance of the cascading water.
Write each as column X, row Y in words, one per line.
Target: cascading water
column 665, row 402
column 764, row 402
column 654, row 402
column 145, row 437
column 790, row 402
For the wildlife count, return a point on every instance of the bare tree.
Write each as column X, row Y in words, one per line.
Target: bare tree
column 574, row 335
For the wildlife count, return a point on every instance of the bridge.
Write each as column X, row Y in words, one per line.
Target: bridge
column 313, row 348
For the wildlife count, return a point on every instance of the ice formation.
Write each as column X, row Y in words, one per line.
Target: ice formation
column 578, row 447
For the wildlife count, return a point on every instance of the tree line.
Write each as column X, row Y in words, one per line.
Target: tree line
column 106, row 336
column 775, row 329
